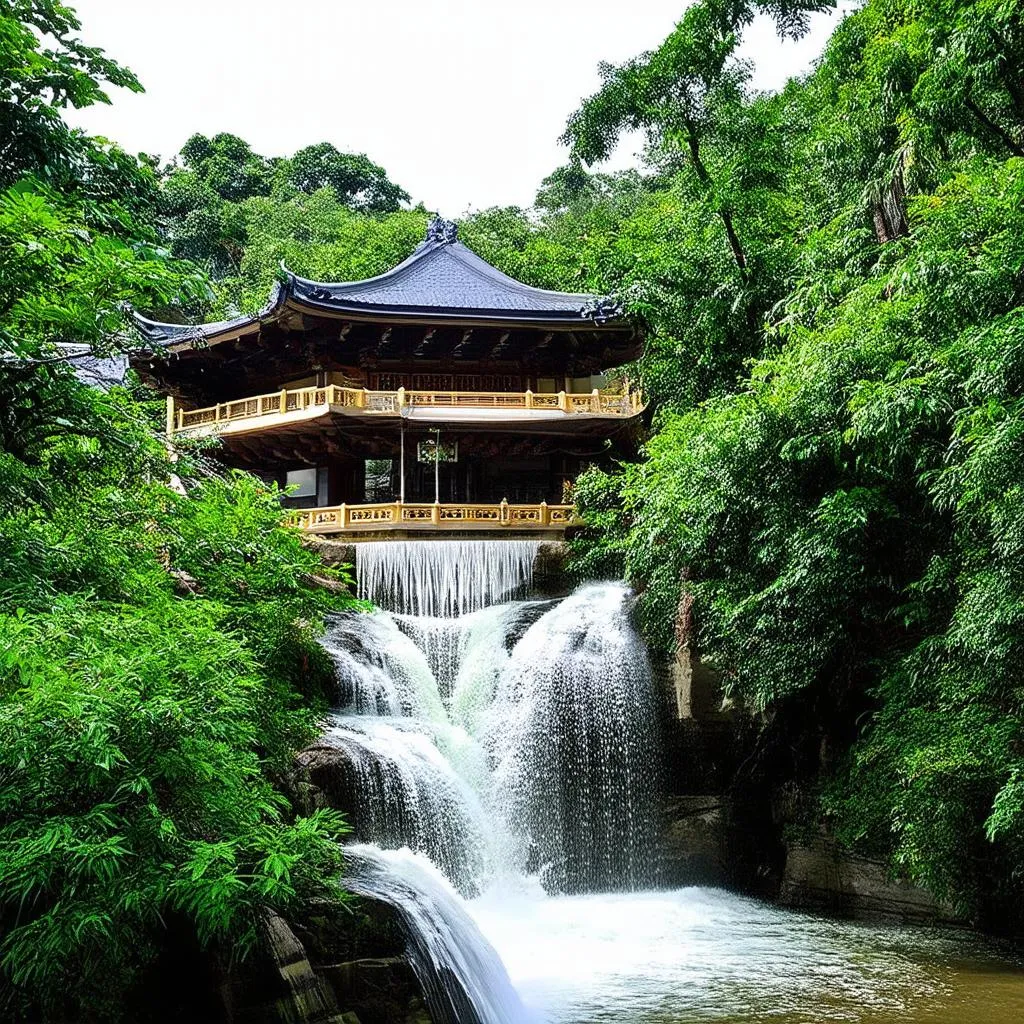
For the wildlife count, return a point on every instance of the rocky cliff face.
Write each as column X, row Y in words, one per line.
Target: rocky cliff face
column 734, row 804
column 330, row 966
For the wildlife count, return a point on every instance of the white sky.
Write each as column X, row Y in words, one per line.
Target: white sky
column 462, row 101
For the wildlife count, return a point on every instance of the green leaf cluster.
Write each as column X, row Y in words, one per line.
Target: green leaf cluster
column 845, row 515
column 159, row 661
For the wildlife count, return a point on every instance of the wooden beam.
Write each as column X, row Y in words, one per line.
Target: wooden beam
column 460, row 349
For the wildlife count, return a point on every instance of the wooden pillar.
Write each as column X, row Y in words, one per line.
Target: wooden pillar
column 170, row 415
column 401, row 459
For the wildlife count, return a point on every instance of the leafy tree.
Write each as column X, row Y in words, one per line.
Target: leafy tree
column 843, row 522
column 158, row 652
column 357, row 181
column 204, row 199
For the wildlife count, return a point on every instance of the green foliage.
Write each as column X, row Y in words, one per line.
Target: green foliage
column 159, row 661
column 316, row 236
column 44, row 69
column 846, row 518
column 204, row 201
column 158, row 666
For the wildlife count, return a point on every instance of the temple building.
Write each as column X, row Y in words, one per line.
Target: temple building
column 442, row 395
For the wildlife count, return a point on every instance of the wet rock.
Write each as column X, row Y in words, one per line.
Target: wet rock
column 821, row 877
column 323, row 778
column 279, row 984
column 549, row 573
column 379, row 991
column 331, row 552
column 696, row 841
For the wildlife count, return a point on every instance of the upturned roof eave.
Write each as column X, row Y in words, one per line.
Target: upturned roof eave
column 436, row 315
column 561, row 311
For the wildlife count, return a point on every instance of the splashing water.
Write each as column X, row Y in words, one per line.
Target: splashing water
column 463, row 979
column 555, row 706
column 572, row 734
column 380, row 671
column 400, row 790
column 442, row 577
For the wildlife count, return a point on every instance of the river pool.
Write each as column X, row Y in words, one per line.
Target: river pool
column 702, row 954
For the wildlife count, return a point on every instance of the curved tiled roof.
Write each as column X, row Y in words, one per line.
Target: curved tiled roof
column 442, row 280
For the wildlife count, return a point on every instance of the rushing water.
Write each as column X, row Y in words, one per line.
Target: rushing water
column 507, row 750
column 443, row 577
column 463, row 979
column 698, row 954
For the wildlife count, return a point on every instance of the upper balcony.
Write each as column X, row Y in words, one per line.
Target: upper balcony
column 291, row 408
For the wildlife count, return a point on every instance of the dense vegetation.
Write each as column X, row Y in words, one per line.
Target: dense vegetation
column 831, row 278
column 844, row 515
column 158, row 655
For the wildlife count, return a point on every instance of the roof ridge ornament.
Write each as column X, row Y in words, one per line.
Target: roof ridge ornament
column 444, row 232
column 601, row 309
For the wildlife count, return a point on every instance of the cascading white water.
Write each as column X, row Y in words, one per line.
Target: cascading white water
column 555, row 705
column 443, row 577
column 494, row 739
column 463, row 979
column 571, row 733
column 402, row 791
column 380, row 671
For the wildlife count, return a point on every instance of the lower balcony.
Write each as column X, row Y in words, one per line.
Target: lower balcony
column 405, row 517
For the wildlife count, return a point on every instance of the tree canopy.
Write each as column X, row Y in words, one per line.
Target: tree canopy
column 158, row 624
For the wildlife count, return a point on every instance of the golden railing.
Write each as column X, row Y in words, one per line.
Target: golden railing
column 391, row 403
column 396, row 515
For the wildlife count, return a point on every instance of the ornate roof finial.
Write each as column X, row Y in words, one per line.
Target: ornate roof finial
column 601, row 309
column 443, row 231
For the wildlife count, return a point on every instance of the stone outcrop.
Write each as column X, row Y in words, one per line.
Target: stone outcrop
column 696, row 842
column 322, row 970
column 331, row 552
column 819, row 876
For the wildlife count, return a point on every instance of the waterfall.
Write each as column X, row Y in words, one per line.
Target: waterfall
column 484, row 740
column 571, row 731
column 443, row 577
column 519, row 738
column 463, row 979
column 402, row 791
column 379, row 670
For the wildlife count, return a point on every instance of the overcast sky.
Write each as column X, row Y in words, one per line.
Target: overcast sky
column 462, row 101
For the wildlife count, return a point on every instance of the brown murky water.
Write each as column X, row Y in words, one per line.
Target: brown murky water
column 703, row 955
